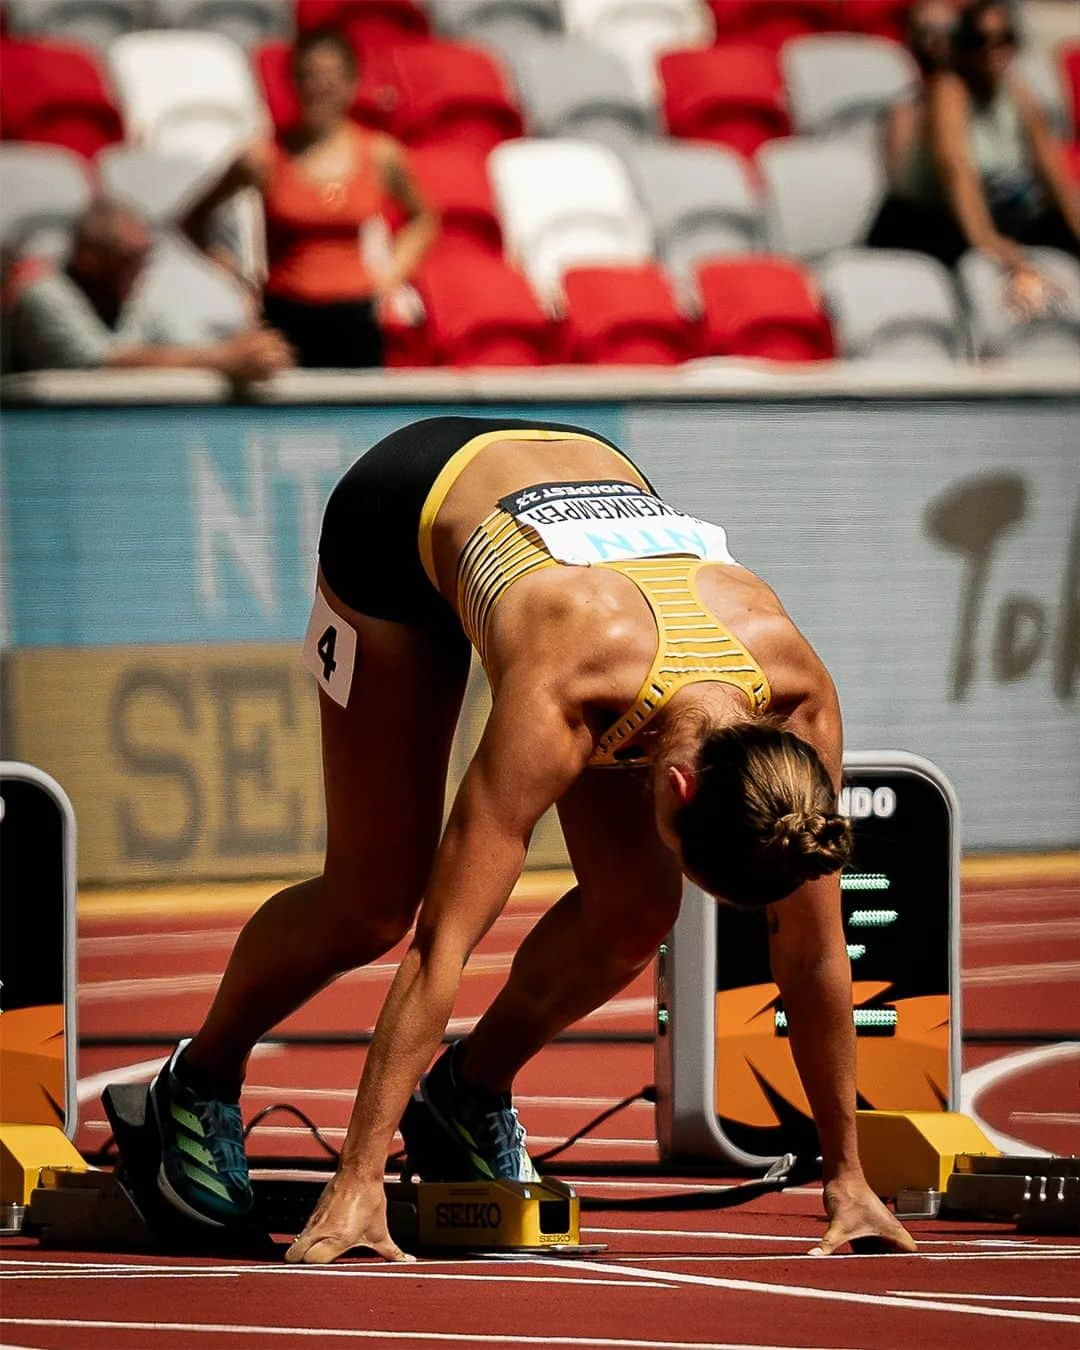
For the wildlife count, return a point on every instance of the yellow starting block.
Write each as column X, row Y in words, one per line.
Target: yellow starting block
column 915, row 1150
column 24, row 1151
column 522, row 1215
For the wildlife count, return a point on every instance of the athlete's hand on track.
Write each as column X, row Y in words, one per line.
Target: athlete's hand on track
column 349, row 1214
column 858, row 1217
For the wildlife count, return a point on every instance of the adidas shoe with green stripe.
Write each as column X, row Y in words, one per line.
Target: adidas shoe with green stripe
column 203, row 1171
column 480, row 1129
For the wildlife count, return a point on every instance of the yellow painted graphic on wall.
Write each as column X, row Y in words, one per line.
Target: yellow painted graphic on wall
column 32, row 1065
column 193, row 761
column 906, row 1070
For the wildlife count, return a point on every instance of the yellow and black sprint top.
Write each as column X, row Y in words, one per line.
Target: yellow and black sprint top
column 692, row 646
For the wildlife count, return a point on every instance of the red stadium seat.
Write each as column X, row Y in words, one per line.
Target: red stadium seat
column 731, row 94
column 481, row 312
column 1070, row 65
column 451, row 92
column 454, row 180
column 883, row 18
column 763, row 307
column 624, row 316
column 375, row 20
column 55, row 94
column 770, row 22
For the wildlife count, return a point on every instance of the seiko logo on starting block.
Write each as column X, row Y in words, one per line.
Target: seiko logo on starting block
column 860, row 803
column 467, row 1214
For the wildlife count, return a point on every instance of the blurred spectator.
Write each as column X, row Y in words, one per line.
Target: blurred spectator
column 96, row 312
column 321, row 185
column 983, row 171
column 929, row 30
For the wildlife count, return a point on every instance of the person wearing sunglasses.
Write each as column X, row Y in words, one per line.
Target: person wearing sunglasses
column 986, row 172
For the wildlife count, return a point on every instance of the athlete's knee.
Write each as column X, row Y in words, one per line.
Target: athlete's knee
column 630, row 939
column 364, row 925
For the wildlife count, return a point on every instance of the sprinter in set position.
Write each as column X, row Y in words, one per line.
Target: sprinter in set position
column 643, row 682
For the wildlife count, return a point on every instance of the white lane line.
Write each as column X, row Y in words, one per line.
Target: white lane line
column 994, row 1246
column 825, row 1295
column 977, row 1081
column 89, row 1089
column 350, row 1272
column 1046, row 1117
column 1035, row 972
column 533, row 1102
column 342, row 1333
column 618, row 1007
column 1006, row 1298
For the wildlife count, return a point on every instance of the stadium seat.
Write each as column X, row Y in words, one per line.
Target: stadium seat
column 93, row 22
column 378, row 20
column 844, row 82
column 892, row 305
column 454, row 180
column 819, row 195
column 1070, row 66
column 563, row 204
column 700, row 199
column 570, row 88
column 54, row 94
column 248, row 22
column 762, row 307
column 495, row 20
column 997, row 329
column 731, row 94
column 770, row 22
column 638, row 31
column 180, row 277
column 451, row 92
column 157, row 185
column 884, row 18
column 481, row 312
column 186, row 92
column 624, row 316
column 43, row 189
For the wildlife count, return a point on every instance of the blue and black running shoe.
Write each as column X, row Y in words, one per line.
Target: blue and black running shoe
column 203, row 1172
column 477, row 1133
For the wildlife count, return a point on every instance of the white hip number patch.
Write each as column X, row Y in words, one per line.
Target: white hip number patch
column 330, row 650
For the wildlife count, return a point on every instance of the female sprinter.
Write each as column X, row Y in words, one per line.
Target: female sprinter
column 616, row 632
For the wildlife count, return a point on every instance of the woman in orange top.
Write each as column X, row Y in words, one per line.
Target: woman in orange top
column 324, row 180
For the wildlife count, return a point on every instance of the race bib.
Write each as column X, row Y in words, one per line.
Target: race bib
column 330, row 650
column 583, row 523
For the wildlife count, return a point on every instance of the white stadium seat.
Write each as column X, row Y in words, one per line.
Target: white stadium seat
column 157, row 185
column 180, row 279
column 43, row 189
column 571, row 88
column 843, row 83
column 493, row 20
column 700, row 199
column 998, row 330
column 892, row 305
column 247, row 22
column 640, row 30
column 186, row 92
column 565, row 203
column 819, row 194
column 95, row 23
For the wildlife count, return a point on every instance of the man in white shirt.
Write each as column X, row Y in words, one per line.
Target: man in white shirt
column 103, row 311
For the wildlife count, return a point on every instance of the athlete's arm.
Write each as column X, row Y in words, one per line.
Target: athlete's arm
column 809, row 960
column 530, row 753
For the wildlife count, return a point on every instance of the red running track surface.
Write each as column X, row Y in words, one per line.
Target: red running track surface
column 736, row 1278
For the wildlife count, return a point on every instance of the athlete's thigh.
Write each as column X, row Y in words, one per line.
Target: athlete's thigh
column 629, row 880
column 385, row 757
